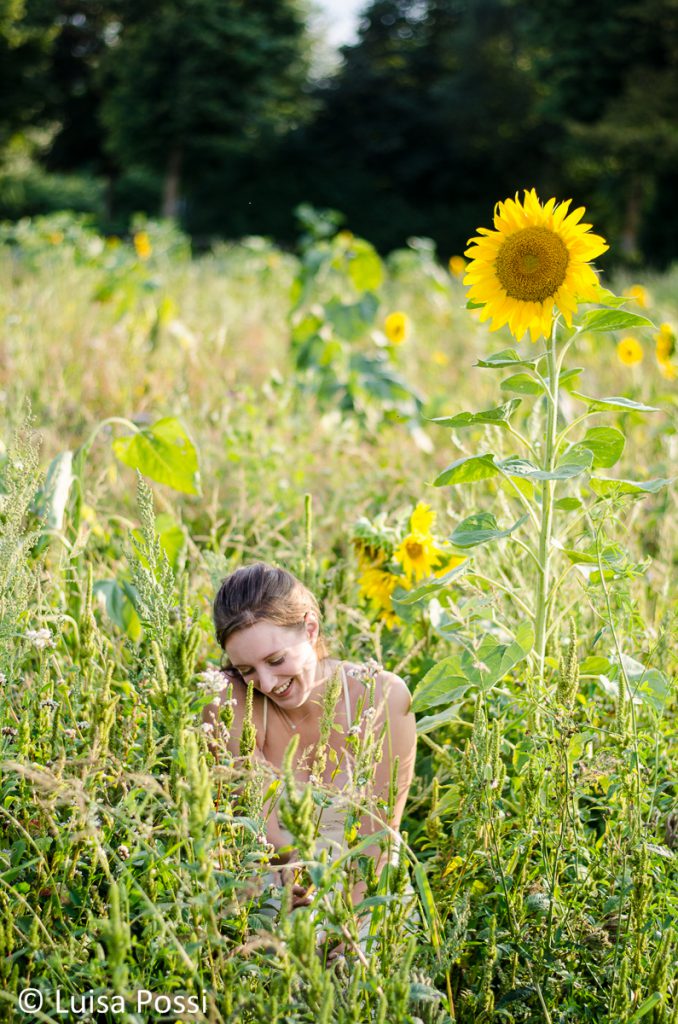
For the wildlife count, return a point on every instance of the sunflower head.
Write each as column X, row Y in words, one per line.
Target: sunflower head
column 142, row 245
column 629, row 351
column 397, row 327
column 534, row 262
column 457, row 265
column 639, row 295
column 666, row 342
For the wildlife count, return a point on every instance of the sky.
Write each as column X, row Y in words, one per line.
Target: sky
column 339, row 19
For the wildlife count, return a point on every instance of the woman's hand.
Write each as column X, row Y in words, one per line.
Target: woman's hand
column 301, row 894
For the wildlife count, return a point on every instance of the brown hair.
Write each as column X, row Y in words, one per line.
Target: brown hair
column 261, row 591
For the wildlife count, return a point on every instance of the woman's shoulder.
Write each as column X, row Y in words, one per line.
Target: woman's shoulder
column 388, row 687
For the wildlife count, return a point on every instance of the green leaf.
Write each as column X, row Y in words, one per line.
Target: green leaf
column 449, row 680
column 507, row 357
column 431, row 722
column 420, row 593
column 523, row 384
column 365, row 267
column 606, row 443
column 479, row 529
column 615, row 402
column 594, row 665
column 51, row 500
column 495, row 417
column 574, row 462
column 645, row 1007
column 467, row 470
column 164, row 452
column 351, row 321
column 612, row 320
column 119, row 607
column 605, row 487
column 567, row 504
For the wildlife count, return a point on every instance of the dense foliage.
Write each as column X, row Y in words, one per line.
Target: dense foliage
column 542, row 829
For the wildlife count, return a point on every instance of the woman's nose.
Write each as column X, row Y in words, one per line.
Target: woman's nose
column 267, row 679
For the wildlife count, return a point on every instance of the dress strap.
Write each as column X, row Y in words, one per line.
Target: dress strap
column 265, row 718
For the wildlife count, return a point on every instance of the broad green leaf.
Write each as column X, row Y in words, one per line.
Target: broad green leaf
column 612, row 320
column 351, row 321
column 164, row 452
column 567, row 504
column 431, row 722
column 495, row 417
column 467, row 470
column 574, row 462
column 493, row 660
column 647, row 683
column 442, row 684
column 365, row 267
column 608, row 298
column 615, row 402
column 523, row 384
column 410, row 597
column 645, row 1007
column 594, row 665
column 605, row 487
column 507, row 357
column 606, row 443
column 52, row 498
column 479, row 529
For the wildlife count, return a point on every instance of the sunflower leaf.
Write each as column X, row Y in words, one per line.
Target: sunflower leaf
column 467, row 470
column 479, row 529
column 523, row 384
column 606, row 443
column 164, row 452
column 507, row 357
column 612, row 320
column 496, row 417
column 615, row 402
column 605, row 487
column 574, row 462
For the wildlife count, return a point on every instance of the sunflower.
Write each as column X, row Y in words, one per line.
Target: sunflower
column 142, row 245
column 377, row 585
column 536, row 258
column 629, row 351
column 457, row 265
column 639, row 295
column 417, row 554
column 397, row 327
column 422, row 518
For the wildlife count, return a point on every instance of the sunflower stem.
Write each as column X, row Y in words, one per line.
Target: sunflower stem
column 546, row 525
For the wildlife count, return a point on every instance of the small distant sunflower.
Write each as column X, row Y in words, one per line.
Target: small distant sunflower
column 440, row 358
column 397, row 327
column 629, row 351
column 417, row 554
column 639, row 295
column 668, row 370
column 142, row 245
column 457, row 265
column 536, row 258
column 422, row 519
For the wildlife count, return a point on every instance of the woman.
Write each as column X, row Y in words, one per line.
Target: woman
column 268, row 624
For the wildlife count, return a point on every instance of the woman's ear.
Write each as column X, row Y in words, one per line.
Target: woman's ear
column 312, row 626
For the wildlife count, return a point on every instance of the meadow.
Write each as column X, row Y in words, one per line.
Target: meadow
column 167, row 417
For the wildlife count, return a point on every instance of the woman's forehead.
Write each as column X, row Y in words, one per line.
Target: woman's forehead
column 260, row 640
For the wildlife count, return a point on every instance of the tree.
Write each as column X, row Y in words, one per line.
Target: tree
column 186, row 86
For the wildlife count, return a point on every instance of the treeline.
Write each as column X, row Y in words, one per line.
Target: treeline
column 207, row 111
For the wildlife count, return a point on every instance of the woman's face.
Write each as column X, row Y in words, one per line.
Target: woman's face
column 281, row 661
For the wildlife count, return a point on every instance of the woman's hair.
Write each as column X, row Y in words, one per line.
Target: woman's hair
column 262, row 591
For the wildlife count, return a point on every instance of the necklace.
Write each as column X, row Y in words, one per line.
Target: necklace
column 286, row 718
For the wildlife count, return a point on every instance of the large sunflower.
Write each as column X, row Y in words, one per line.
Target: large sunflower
column 536, row 258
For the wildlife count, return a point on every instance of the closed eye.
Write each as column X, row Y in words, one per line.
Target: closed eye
column 245, row 671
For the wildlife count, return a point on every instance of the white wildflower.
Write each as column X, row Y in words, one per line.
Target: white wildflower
column 213, row 680
column 40, row 638
column 123, row 852
column 207, row 727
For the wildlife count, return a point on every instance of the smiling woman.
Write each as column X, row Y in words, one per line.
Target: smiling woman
column 268, row 624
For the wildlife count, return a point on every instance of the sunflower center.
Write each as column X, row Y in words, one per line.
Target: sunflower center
column 414, row 549
column 531, row 264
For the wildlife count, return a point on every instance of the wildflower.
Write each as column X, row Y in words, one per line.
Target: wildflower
column 70, row 734
column 9, row 730
column 55, row 237
column 142, row 245
column 417, row 554
column 668, row 370
column 638, row 294
column 207, row 727
column 40, row 638
column 397, row 327
column 213, row 680
column 370, row 713
column 123, row 852
column 457, row 265
column 49, row 703
column 629, row 351
column 537, row 258
column 440, row 358
column 666, row 343
column 82, row 725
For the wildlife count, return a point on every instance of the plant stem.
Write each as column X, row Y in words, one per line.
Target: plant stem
column 546, row 526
